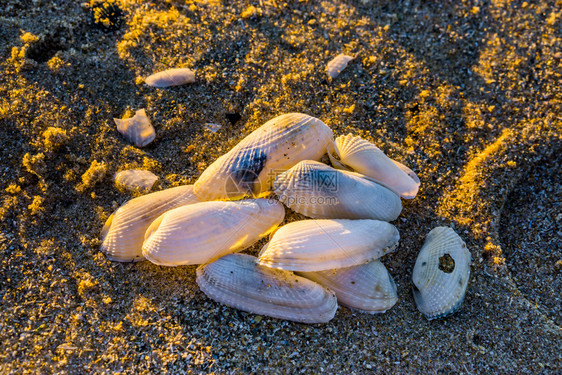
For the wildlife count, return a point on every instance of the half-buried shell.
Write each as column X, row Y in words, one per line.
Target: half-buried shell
column 441, row 273
column 237, row 281
column 135, row 180
column 202, row 232
column 337, row 65
column 171, row 77
column 137, row 129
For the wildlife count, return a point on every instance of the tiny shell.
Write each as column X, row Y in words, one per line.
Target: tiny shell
column 137, row 129
column 171, row 77
column 213, row 128
column 135, row 180
column 338, row 64
column 441, row 273
column 237, row 281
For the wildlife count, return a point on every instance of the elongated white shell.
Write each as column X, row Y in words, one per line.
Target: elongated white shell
column 123, row 233
column 135, row 180
column 337, row 65
column 318, row 245
column 441, row 273
column 202, row 232
column 250, row 168
column 171, row 77
column 366, row 287
column 137, row 129
column 356, row 154
column 237, row 281
column 319, row 191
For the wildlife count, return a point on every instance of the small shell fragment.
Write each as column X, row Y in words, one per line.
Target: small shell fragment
column 171, row 77
column 135, row 180
column 441, row 273
column 337, row 65
column 213, row 128
column 137, row 129
column 237, row 281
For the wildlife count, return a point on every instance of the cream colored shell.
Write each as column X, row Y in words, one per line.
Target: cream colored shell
column 137, row 129
column 171, row 77
column 337, row 65
column 135, row 180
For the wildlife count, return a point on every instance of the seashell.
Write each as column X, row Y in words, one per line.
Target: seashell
column 202, row 232
column 337, row 65
column 319, row 191
column 250, row 168
column 318, row 245
column 123, row 233
column 213, row 128
column 441, row 273
column 171, row 77
column 135, row 180
column 137, row 129
column 367, row 287
column 236, row 280
column 356, row 154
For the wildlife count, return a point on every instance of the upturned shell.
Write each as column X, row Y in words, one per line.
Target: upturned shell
column 237, row 281
column 366, row 287
column 441, row 273
column 171, row 77
column 356, row 154
column 135, row 180
column 137, row 129
column 319, row 191
column 337, row 65
column 123, row 233
column 250, row 168
column 202, row 232
column 318, row 245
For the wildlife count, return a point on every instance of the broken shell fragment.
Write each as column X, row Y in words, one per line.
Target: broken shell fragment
column 318, row 245
column 123, row 233
column 135, row 180
column 237, row 281
column 356, row 154
column 337, row 65
column 441, row 273
column 202, row 232
column 366, row 287
column 171, row 77
column 137, row 129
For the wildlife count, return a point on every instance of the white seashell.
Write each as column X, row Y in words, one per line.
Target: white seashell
column 171, row 77
column 366, row 287
column 338, row 64
column 135, row 180
column 137, row 129
column 441, row 273
column 318, row 245
column 250, row 168
column 319, row 191
column 237, row 281
column 356, row 154
column 123, row 233
column 213, row 128
column 202, row 232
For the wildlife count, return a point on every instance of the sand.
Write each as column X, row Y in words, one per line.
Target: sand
column 465, row 93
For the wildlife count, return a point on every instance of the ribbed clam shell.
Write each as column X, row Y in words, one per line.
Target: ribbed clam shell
column 319, row 191
column 318, row 245
column 441, row 273
column 123, row 233
column 171, row 77
column 250, row 168
column 356, row 154
column 237, row 281
column 337, row 65
column 366, row 287
column 135, row 180
column 137, row 129
column 202, row 232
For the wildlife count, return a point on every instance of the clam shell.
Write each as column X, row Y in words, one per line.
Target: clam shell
column 356, row 154
column 123, row 233
column 250, row 168
column 319, row 191
column 337, row 65
column 202, row 232
column 171, row 77
column 135, row 180
column 318, row 245
column 237, row 281
column 441, row 273
column 366, row 287
column 137, row 129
